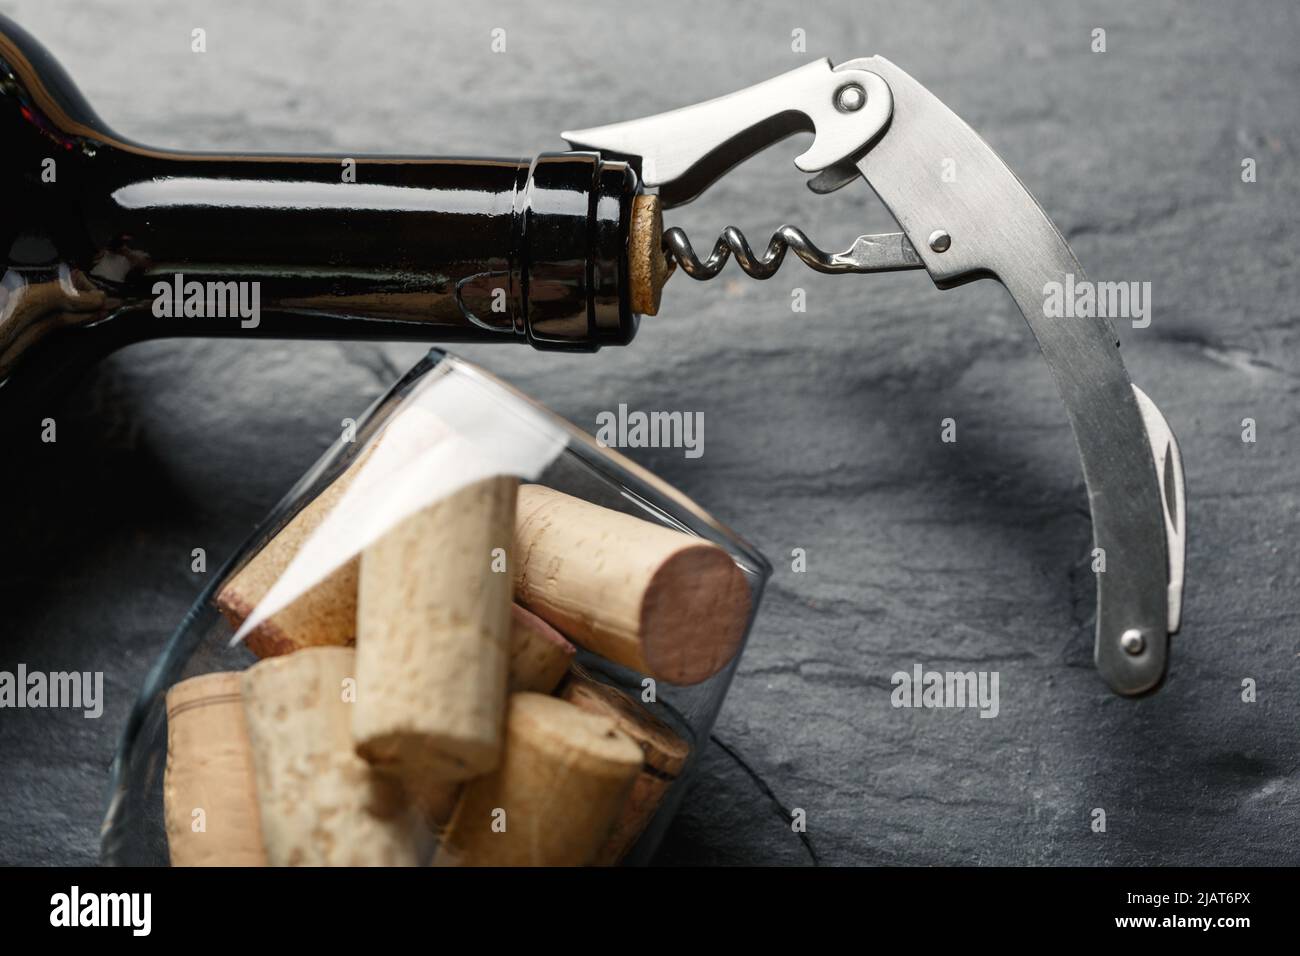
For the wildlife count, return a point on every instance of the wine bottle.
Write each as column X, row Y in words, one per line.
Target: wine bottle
column 109, row 242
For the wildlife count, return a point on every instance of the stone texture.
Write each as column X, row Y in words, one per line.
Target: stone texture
column 822, row 428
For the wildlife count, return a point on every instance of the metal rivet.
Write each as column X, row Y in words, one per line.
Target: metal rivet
column 850, row 98
column 940, row 241
column 1132, row 641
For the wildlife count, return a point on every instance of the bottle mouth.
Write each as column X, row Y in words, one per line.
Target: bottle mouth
column 575, row 223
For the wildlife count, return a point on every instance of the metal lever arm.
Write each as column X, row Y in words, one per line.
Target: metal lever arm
column 994, row 227
column 685, row 151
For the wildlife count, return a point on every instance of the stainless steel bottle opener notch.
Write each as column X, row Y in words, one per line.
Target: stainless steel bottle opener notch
column 872, row 120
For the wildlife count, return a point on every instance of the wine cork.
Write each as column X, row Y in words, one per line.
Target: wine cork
column 321, row 804
column 539, row 660
column 539, row 654
column 209, row 788
column 433, row 637
column 648, row 266
column 563, row 778
column 642, row 595
column 663, row 756
column 326, row 615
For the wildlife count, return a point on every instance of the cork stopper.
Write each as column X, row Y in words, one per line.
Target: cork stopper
column 321, row 804
column 210, row 776
column 561, row 785
column 648, row 266
column 324, row 616
column 433, row 637
column 539, row 654
column 665, row 754
column 651, row 598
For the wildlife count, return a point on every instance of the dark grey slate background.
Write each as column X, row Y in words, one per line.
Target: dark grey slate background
column 822, row 429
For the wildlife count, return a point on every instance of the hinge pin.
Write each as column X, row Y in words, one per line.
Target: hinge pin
column 1132, row 641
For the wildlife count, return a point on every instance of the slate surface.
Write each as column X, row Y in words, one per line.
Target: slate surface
column 822, row 429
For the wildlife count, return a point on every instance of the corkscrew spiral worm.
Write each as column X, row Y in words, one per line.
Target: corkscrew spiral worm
column 733, row 242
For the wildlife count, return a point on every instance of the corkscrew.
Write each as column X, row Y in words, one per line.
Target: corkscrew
column 872, row 121
column 867, row 254
column 110, row 242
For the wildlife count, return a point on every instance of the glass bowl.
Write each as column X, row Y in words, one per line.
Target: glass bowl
column 133, row 831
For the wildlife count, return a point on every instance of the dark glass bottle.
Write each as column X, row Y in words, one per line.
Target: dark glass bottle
column 108, row 242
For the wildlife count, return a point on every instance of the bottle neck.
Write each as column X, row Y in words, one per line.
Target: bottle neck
column 407, row 249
